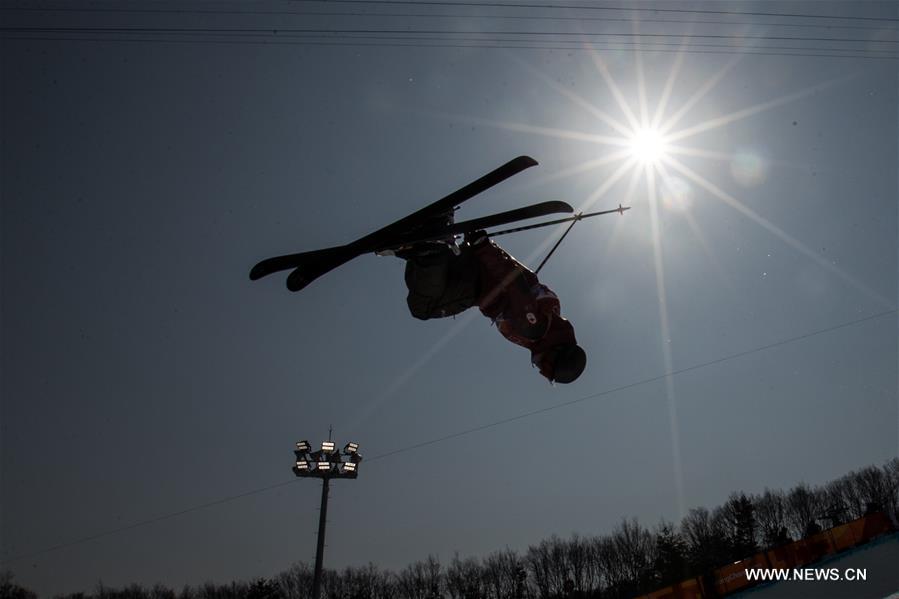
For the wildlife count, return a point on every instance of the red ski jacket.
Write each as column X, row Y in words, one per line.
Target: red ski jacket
column 525, row 311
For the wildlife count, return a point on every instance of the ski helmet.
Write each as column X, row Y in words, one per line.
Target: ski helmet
column 569, row 363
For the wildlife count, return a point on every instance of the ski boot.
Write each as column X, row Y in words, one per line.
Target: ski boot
column 426, row 248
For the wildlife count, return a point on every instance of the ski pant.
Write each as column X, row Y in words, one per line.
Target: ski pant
column 441, row 283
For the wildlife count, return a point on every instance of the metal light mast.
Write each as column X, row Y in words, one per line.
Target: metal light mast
column 326, row 463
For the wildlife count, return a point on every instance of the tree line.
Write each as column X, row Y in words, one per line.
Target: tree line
column 630, row 560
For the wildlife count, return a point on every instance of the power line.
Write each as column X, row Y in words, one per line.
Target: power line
column 274, row 31
column 458, row 36
column 147, row 522
column 182, row 11
column 388, row 37
column 599, row 8
column 462, row 433
column 520, row 39
column 582, row 47
column 512, row 5
column 633, row 385
column 626, row 45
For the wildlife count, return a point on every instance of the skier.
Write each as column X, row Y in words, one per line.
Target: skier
column 445, row 279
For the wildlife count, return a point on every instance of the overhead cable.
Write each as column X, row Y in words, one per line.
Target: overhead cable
column 431, row 15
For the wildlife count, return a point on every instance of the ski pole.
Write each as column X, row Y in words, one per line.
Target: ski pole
column 576, row 218
column 620, row 210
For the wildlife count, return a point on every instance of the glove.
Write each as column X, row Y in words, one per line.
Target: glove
column 476, row 237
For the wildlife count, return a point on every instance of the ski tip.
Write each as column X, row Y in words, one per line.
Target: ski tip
column 296, row 280
column 257, row 272
column 524, row 161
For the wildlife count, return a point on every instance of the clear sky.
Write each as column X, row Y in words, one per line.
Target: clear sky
column 145, row 172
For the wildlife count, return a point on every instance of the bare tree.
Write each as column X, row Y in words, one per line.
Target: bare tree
column 670, row 559
column 612, row 565
column 500, row 575
column 707, row 545
column 261, row 588
column 635, row 544
column 296, row 581
column 582, row 564
column 367, row 582
column 210, row 590
column 464, row 579
column 738, row 516
column 874, row 487
column 546, row 564
column 161, row 592
column 891, row 470
column 803, row 506
column 420, row 580
column 11, row 590
column 771, row 516
column 186, row 593
column 840, row 501
column 626, row 558
column 333, row 586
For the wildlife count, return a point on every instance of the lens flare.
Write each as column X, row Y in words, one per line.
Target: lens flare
column 749, row 168
column 677, row 195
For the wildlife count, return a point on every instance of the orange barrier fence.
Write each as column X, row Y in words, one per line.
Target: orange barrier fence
column 687, row 589
column 733, row 577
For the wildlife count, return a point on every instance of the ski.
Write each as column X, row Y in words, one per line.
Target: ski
column 493, row 220
column 314, row 264
column 308, row 266
column 318, row 262
column 453, row 200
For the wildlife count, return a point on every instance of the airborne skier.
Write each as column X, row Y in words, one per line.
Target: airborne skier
column 444, row 278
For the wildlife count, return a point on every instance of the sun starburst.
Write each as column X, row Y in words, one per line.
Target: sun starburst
column 648, row 145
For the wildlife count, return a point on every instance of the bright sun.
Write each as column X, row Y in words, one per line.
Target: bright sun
column 647, row 146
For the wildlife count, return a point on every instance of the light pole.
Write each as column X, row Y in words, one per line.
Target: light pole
column 326, row 463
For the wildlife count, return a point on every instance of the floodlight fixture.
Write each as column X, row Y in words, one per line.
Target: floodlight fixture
column 302, row 465
column 303, row 446
column 324, row 466
column 328, row 446
column 349, row 467
column 351, row 448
